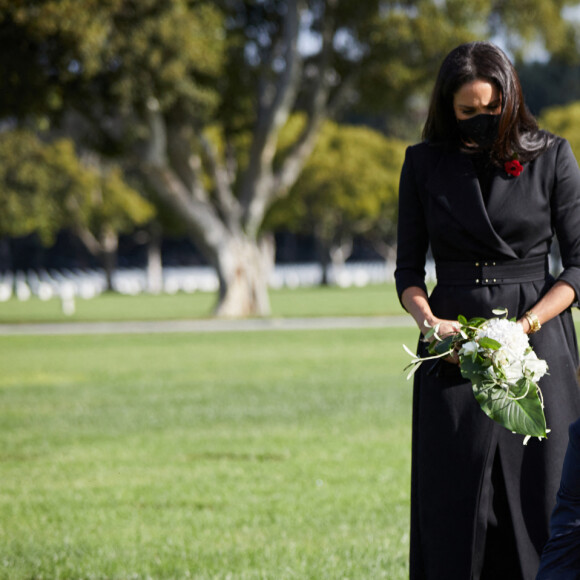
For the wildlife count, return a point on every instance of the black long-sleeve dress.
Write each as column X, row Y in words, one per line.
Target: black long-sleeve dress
column 479, row 496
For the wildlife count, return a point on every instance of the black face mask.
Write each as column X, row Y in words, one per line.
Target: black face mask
column 481, row 129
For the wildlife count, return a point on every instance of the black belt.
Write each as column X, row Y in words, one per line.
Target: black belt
column 489, row 272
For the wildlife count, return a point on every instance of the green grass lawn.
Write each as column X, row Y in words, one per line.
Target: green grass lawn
column 271, row 455
column 331, row 301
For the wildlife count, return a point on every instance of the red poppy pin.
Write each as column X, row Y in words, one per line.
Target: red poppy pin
column 513, row 167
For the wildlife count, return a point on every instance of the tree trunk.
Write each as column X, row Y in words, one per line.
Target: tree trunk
column 243, row 267
column 6, row 254
column 387, row 251
column 323, row 252
column 108, row 255
column 154, row 261
column 340, row 252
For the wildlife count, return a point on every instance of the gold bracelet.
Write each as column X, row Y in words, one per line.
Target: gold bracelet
column 533, row 321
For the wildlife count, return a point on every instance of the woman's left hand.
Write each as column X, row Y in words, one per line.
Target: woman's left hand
column 445, row 328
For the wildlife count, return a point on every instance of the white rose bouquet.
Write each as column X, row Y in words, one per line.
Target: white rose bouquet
column 495, row 355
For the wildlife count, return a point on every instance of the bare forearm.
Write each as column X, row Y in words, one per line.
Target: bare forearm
column 416, row 302
column 555, row 301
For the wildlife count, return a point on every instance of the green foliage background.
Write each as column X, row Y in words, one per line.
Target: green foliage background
column 564, row 121
column 45, row 187
column 349, row 184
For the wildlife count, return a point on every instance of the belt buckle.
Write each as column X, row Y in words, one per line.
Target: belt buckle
column 486, row 274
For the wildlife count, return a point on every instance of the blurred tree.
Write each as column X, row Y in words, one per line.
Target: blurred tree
column 46, row 187
column 348, row 187
column 145, row 77
column 31, row 191
column 547, row 84
column 564, row 121
column 109, row 208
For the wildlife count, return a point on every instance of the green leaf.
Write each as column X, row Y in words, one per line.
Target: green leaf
column 414, row 366
column 441, row 346
column 477, row 321
column 490, row 343
column 430, row 333
column 520, row 412
column 472, row 369
column 462, row 320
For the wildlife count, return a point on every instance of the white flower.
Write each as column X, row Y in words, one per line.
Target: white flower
column 500, row 357
column 513, row 372
column 469, row 348
column 510, row 366
column 509, row 334
column 535, row 366
column 514, row 359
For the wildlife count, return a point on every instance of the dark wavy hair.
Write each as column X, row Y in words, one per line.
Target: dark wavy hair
column 518, row 131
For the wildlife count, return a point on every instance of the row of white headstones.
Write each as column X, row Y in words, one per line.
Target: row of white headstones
column 68, row 285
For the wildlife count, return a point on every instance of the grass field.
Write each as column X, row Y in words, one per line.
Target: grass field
column 332, row 301
column 271, row 455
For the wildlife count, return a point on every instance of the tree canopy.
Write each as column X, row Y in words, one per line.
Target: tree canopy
column 46, row 187
column 348, row 187
column 564, row 120
column 142, row 81
column 108, row 58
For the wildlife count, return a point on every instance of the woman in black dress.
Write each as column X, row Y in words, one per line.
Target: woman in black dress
column 486, row 190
